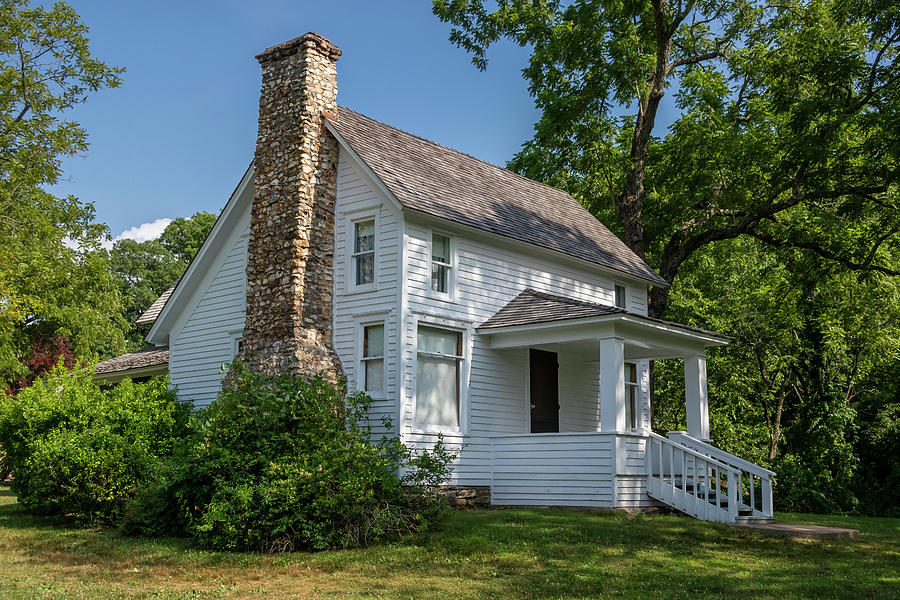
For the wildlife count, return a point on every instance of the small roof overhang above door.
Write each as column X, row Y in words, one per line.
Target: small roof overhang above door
column 537, row 320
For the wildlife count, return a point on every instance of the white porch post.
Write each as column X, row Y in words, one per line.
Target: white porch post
column 612, row 384
column 696, row 396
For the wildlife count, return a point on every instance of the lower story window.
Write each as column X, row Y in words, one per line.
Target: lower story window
column 632, row 389
column 373, row 358
column 438, row 360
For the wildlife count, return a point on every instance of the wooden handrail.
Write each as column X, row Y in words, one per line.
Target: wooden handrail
column 735, row 461
column 693, row 453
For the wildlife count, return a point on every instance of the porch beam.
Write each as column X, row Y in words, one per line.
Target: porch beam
column 612, row 384
column 696, row 396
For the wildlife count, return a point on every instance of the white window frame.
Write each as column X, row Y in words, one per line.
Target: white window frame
column 463, row 382
column 362, row 358
column 451, row 266
column 237, row 336
column 624, row 288
column 352, row 221
column 638, row 395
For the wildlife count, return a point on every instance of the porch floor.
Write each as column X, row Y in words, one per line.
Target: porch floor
column 801, row 532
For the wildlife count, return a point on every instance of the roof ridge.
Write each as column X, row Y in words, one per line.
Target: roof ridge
column 466, row 154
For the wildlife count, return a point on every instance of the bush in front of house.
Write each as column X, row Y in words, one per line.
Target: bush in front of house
column 79, row 451
column 281, row 464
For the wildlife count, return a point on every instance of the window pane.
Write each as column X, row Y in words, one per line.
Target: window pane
column 375, row 375
column 437, row 391
column 365, row 268
column 440, row 275
column 365, row 236
column 620, row 296
column 373, row 342
column 439, row 340
column 440, row 248
column 631, row 372
column 630, row 393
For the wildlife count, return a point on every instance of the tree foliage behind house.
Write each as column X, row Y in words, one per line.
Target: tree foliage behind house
column 771, row 203
column 144, row 270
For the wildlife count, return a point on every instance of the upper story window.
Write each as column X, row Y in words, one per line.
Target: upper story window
column 620, row 296
column 632, row 393
column 373, row 358
column 438, row 366
column 441, row 263
column 363, row 257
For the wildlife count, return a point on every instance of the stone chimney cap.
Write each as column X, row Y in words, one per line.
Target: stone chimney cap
column 309, row 40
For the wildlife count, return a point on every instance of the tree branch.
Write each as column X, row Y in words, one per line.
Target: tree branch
column 692, row 60
column 866, row 265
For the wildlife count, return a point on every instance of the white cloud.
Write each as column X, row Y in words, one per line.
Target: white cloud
column 140, row 233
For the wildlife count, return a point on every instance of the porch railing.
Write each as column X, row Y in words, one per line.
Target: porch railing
column 754, row 483
column 690, row 481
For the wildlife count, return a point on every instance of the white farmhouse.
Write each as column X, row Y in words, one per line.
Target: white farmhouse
column 466, row 300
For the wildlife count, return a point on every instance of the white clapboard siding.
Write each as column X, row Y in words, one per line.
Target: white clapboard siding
column 579, row 393
column 575, row 469
column 631, row 492
column 486, row 277
column 359, row 198
column 205, row 337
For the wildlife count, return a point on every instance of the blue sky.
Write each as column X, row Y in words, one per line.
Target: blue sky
column 179, row 133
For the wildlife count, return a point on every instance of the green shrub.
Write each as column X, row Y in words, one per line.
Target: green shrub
column 76, row 450
column 281, row 464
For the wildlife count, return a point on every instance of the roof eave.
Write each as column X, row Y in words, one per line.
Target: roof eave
column 708, row 338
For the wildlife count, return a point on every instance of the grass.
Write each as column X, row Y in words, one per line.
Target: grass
column 480, row 554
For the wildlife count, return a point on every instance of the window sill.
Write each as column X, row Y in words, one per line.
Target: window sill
column 418, row 428
column 431, row 295
column 361, row 289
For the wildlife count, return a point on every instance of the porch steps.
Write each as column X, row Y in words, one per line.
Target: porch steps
column 745, row 516
column 706, row 482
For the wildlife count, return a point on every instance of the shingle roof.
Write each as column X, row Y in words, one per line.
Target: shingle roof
column 149, row 316
column 449, row 184
column 148, row 357
column 531, row 307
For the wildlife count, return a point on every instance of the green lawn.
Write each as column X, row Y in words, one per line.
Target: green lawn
column 480, row 554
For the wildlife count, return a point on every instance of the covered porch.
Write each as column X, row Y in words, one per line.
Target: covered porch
column 609, row 457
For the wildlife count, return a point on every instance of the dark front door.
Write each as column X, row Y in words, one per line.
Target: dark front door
column 544, row 392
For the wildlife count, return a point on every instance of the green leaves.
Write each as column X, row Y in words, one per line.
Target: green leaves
column 79, row 451
column 54, row 278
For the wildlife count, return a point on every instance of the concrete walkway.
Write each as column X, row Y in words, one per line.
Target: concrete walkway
column 802, row 532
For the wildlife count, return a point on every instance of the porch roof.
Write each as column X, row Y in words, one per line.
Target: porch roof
column 535, row 318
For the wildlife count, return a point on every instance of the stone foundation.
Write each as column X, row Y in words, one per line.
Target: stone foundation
column 461, row 496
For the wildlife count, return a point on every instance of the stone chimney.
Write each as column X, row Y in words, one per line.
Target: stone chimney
column 290, row 265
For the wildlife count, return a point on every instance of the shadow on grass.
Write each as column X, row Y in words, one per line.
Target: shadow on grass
column 525, row 553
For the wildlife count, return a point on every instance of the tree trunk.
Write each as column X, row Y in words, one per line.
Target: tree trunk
column 776, row 426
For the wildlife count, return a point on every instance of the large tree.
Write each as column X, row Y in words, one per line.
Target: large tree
column 55, row 280
column 787, row 124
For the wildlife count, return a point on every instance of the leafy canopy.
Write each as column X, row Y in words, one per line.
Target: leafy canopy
column 54, row 278
column 787, row 128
